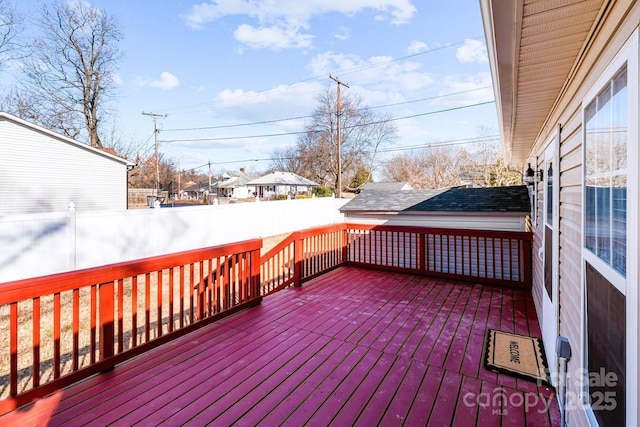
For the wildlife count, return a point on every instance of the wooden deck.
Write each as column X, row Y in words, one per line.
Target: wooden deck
column 351, row 347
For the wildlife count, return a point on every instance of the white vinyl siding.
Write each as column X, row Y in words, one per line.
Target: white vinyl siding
column 487, row 221
column 44, row 173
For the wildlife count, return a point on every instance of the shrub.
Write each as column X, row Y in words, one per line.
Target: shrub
column 322, row 191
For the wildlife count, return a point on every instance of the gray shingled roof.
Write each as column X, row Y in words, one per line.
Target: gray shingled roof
column 387, row 201
column 491, row 199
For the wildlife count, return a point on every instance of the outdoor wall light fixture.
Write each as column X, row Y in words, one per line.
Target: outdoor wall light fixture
column 530, row 175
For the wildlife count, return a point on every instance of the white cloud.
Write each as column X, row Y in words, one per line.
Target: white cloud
column 476, row 88
column 376, row 73
column 167, row 81
column 283, row 101
column 282, row 22
column 472, row 51
column 276, row 38
column 417, row 47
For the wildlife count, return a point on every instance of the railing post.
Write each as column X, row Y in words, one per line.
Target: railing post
column 422, row 256
column 255, row 285
column 106, row 315
column 298, row 255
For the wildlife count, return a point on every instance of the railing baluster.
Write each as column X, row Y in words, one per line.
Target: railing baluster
column 120, row 315
column 36, row 341
column 159, row 275
column 56, row 335
column 134, row 311
column 147, row 307
column 181, row 285
column 93, row 326
column 210, row 287
column 172, row 272
column 200, row 291
column 13, row 349
column 192, row 313
column 76, row 330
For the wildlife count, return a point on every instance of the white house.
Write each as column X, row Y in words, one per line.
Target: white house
column 41, row 171
column 566, row 78
column 282, row 183
column 234, row 184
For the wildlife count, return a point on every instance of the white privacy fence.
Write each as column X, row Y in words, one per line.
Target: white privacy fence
column 39, row 244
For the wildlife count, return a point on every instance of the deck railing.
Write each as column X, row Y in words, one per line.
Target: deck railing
column 58, row 329
column 491, row 257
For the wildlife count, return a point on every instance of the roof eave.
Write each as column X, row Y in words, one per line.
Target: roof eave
column 502, row 28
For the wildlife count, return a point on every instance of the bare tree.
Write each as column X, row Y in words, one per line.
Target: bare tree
column 10, row 27
column 428, row 168
column 144, row 175
column 286, row 159
column 72, row 69
column 363, row 133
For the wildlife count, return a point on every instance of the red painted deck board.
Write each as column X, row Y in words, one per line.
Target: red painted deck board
column 351, row 347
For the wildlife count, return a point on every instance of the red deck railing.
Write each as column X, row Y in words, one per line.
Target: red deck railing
column 79, row 323
column 491, row 257
column 72, row 325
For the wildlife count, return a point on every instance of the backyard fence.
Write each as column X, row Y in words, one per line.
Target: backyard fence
column 40, row 244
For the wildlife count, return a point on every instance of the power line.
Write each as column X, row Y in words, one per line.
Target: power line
column 288, row 119
column 229, row 138
column 447, row 143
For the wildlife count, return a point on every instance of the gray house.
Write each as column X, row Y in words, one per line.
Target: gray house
column 44, row 172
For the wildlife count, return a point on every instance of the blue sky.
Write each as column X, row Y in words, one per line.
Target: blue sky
column 228, row 62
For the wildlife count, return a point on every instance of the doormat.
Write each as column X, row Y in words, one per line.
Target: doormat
column 516, row 355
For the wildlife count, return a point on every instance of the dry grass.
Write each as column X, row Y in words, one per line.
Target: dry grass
column 25, row 324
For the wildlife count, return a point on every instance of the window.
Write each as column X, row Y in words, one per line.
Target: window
column 606, row 122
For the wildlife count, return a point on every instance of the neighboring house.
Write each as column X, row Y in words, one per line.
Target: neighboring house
column 233, row 184
column 566, row 79
column 386, row 186
column 492, row 208
column 195, row 191
column 41, row 171
column 282, row 183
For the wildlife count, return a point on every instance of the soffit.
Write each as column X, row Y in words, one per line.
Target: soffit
column 534, row 47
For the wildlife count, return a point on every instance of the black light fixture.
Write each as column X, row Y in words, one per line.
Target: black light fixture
column 530, row 175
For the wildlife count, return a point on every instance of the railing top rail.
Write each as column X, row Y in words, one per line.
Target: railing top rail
column 522, row 235
column 302, row 234
column 19, row 290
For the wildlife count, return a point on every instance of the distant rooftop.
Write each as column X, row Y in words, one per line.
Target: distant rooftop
column 388, row 200
column 283, row 178
column 490, row 199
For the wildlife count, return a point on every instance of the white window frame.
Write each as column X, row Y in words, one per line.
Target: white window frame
column 629, row 55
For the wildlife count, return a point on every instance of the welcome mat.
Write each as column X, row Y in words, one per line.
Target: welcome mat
column 516, row 355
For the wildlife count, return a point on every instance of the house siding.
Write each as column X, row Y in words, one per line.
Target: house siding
column 619, row 24
column 42, row 173
column 452, row 220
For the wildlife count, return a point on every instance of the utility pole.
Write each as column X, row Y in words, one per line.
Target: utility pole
column 155, row 116
column 339, row 141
